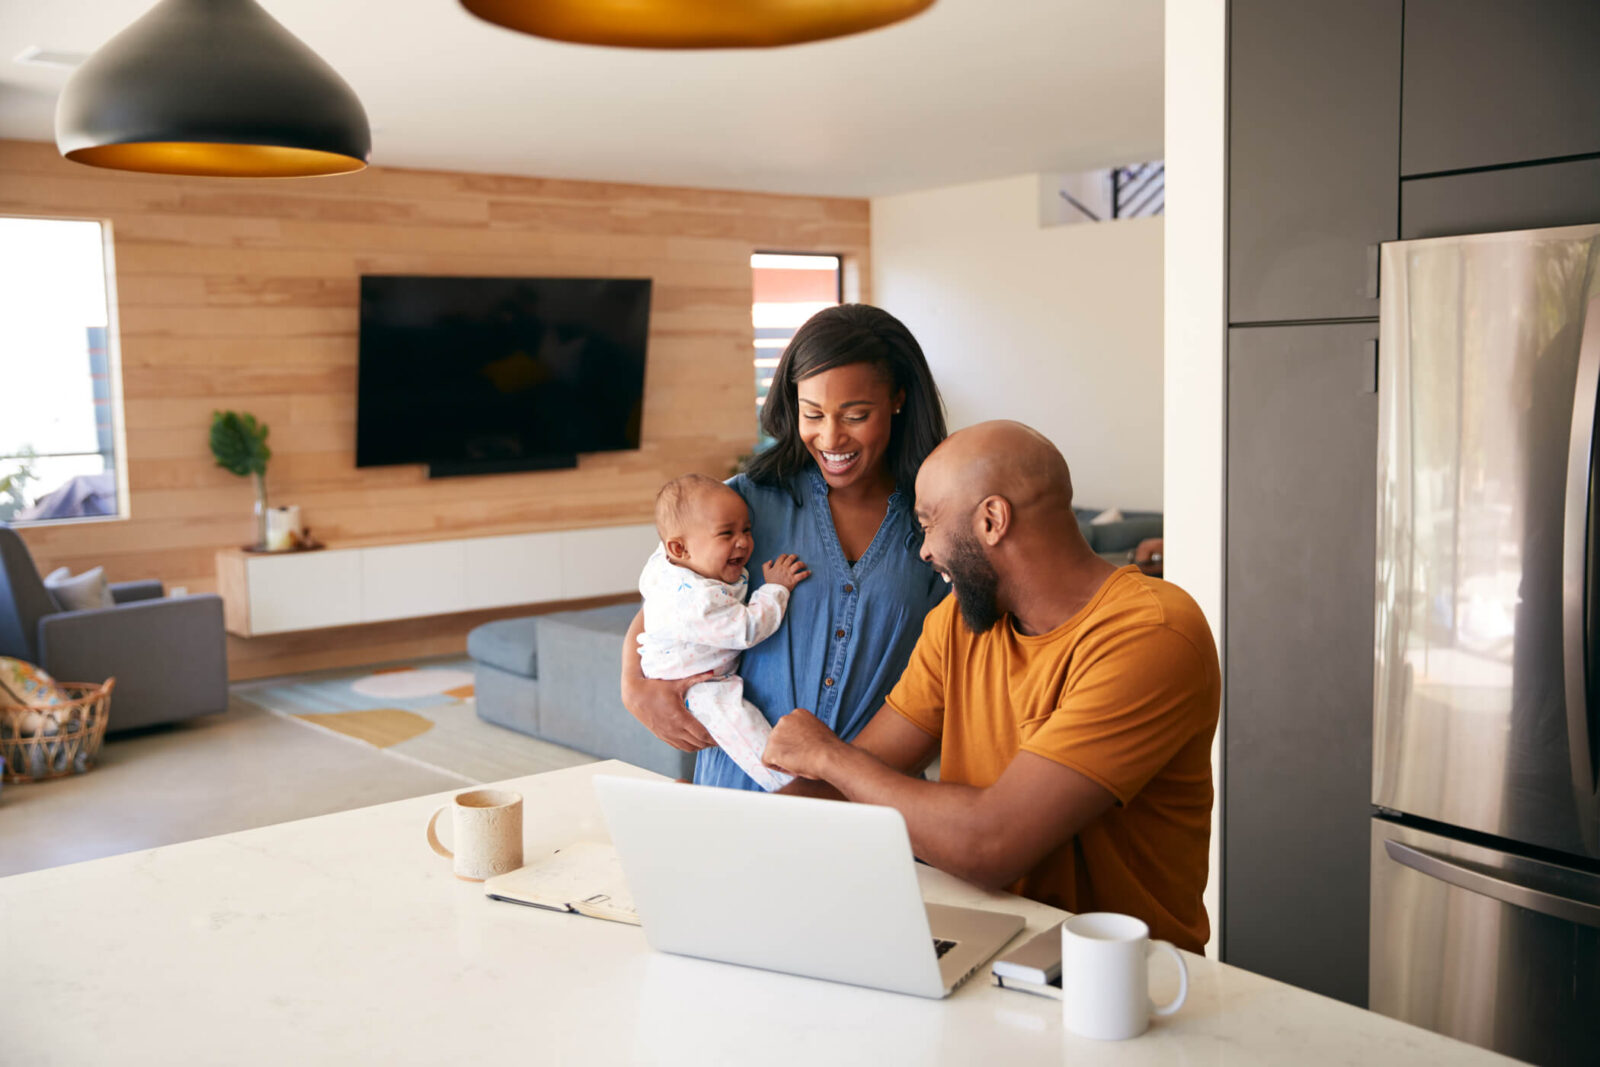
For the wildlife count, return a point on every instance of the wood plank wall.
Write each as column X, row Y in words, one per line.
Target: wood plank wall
column 243, row 294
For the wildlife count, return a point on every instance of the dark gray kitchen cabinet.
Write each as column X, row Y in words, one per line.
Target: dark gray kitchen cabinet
column 1508, row 198
column 1301, row 517
column 1491, row 82
column 1313, row 158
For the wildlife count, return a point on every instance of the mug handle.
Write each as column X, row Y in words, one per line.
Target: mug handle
column 1183, row 978
column 433, row 840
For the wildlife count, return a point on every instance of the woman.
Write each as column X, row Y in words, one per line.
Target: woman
column 853, row 412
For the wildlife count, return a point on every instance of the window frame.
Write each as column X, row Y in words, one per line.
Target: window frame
column 114, row 371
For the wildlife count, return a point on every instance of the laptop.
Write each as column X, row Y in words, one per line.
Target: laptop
column 810, row 887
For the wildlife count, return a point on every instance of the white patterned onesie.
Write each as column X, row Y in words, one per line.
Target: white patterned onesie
column 694, row 624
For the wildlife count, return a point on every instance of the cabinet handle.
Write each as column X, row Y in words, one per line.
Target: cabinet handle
column 1374, row 281
column 1369, row 366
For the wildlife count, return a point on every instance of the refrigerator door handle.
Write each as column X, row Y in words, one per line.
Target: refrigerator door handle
column 1574, row 566
column 1477, row 879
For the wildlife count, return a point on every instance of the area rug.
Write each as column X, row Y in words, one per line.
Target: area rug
column 422, row 712
column 380, row 727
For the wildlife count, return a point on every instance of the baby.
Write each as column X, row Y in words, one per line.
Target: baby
column 695, row 617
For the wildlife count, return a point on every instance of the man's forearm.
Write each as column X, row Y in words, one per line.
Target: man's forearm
column 947, row 822
column 810, row 787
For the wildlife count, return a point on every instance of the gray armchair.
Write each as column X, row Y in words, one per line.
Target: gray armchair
column 170, row 657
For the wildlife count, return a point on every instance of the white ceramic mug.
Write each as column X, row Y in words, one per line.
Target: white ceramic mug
column 1105, row 976
column 487, row 825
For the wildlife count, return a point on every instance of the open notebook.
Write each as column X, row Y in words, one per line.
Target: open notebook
column 584, row 878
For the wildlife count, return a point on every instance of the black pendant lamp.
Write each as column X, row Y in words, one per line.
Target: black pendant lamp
column 693, row 23
column 211, row 87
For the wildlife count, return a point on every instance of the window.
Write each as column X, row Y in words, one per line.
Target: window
column 1137, row 191
column 57, row 442
column 789, row 289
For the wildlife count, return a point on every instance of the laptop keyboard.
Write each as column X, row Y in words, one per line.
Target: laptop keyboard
column 941, row 946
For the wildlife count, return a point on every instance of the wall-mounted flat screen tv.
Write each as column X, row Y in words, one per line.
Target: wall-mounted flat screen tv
column 477, row 375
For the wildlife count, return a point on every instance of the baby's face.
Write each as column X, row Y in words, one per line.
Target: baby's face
column 716, row 539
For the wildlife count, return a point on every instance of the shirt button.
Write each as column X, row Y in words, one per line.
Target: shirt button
column 848, row 588
column 827, row 681
column 839, row 634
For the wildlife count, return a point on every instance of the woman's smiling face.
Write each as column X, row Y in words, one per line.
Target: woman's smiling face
column 846, row 418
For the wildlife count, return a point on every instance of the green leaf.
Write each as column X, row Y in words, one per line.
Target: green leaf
column 239, row 443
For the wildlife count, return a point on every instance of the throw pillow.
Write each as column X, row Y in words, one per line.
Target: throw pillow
column 80, row 592
column 21, row 683
column 1106, row 517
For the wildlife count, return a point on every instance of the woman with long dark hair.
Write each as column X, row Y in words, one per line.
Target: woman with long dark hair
column 853, row 412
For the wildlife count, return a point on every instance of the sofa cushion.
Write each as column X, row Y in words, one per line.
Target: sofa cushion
column 80, row 592
column 611, row 619
column 509, row 644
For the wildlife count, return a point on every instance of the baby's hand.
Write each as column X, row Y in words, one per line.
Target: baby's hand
column 786, row 570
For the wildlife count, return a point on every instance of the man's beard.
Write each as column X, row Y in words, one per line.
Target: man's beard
column 976, row 585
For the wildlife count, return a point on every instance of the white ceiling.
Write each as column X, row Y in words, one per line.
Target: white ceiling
column 970, row 89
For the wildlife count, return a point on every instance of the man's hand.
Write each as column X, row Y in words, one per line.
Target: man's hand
column 1149, row 557
column 800, row 744
column 786, row 570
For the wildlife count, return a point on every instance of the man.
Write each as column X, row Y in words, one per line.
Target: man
column 1072, row 704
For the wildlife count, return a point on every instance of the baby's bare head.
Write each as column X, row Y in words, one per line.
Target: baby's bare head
column 678, row 503
column 704, row 526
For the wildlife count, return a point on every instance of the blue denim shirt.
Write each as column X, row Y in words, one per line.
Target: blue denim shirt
column 849, row 630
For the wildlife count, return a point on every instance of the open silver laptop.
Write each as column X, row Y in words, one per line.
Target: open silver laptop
column 810, row 887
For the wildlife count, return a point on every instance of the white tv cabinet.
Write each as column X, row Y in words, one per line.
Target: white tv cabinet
column 280, row 593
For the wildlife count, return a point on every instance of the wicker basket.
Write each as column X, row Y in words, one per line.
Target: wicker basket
column 50, row 742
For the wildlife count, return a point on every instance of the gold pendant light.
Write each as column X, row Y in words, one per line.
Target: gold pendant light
column 693, row 23
column 211, row 87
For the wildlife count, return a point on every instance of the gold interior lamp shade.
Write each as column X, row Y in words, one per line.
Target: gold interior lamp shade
column 216, row 88
column 693, row 23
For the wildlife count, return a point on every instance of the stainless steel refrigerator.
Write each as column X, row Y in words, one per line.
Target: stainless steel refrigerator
column 1486, row 829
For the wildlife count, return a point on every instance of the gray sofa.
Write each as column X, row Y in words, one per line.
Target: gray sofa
column 555, row 677
column 1115, row 541
column 169, row 655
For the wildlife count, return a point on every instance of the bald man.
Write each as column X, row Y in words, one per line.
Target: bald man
column 1071, row 703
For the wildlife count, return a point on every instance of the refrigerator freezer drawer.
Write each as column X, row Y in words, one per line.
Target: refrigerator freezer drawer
column 1497, row 950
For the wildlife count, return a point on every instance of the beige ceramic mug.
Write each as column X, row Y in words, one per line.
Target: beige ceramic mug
column 487, row 825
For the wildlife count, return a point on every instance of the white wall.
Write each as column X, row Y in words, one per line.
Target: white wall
column 1196, row 327
column 1058, row 327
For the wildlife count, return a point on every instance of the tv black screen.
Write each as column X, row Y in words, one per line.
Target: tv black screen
column 483, row 374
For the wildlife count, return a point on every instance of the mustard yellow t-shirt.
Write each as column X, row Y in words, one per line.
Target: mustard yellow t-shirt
column 1125, row 693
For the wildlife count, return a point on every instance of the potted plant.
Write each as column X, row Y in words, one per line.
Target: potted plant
column 239, row 444
column 13, row 491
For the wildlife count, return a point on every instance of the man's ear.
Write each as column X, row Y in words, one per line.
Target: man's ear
column 677, row 551
column 992, row 520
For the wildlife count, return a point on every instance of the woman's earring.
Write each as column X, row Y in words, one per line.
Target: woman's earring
column 897, row 411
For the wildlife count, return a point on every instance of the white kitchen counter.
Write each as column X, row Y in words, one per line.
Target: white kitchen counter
column 343, row 939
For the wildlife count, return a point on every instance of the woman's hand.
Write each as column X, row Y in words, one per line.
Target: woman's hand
column 659, row 704
column 786, row 570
